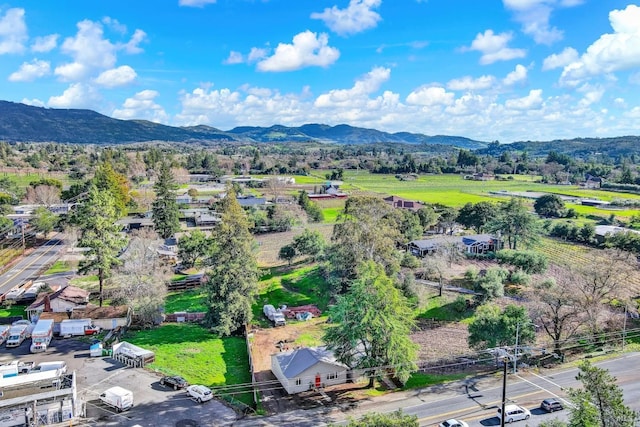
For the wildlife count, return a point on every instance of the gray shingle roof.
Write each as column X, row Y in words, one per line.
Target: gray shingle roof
column 295, row 362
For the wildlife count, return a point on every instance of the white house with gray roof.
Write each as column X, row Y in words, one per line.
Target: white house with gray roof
column 307, row 368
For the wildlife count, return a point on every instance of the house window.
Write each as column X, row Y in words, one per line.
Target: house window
column 332, row 376
column 298, row 381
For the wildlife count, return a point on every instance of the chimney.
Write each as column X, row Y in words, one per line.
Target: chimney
column 47, row 304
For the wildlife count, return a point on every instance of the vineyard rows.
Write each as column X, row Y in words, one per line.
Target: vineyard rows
column 563, row 254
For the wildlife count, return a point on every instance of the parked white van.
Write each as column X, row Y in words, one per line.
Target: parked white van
column 514, row 413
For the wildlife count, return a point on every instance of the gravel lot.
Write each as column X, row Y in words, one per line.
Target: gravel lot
column 154, row 405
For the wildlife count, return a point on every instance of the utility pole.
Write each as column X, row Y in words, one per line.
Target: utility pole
column 24, row 245
column 515, row 355
column 624, row 326
column 504, row 391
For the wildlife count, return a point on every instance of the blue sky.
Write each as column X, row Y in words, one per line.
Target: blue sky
column 504, row 70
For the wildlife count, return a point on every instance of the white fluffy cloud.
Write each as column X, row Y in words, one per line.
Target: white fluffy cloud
column 612, row 52
column 142, row 106
column 557, row 60
column 518, row 75
column 115, row 77
column 29, row 71
column 357, row 17
column 45, row 44
column 196, row 3
column 92, row 52
column 364, row 86
column 494, row 47
column 33, row 102
column 307, row 50
column 77, row 95
column 532, row 101
column 429, row 96
column 89, row 51
column 13, row 31
column 467, row 83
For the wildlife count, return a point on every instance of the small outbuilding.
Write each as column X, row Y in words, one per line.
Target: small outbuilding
column 308, row 368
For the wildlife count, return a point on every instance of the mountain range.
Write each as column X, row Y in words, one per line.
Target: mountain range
column 25, row 123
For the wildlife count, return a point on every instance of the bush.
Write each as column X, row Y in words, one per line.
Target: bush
column 460, row 304
column 409, row 261
column 519, row 278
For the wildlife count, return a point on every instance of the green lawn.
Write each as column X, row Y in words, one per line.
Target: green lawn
column 442, row 308
column 13, row 310
column 60, row 267
column 197, row 355
column 189, row 301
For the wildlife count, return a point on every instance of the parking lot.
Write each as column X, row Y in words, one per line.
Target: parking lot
column 154, row 405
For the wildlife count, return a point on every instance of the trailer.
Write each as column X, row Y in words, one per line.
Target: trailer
column 41, row 335
column 77, row 327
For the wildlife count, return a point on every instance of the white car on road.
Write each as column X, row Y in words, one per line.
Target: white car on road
column 514, row 413
column 200, row 393
column 453, row 423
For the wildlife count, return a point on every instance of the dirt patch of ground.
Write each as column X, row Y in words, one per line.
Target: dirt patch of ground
column 441, row 340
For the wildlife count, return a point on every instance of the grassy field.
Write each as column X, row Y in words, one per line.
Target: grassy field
column 455, row 191
column 197, row 355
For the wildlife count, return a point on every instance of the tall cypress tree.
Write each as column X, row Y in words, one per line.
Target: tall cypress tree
column 233, row 273
column 166, row 216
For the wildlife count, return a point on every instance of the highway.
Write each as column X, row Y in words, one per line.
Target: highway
column 31, row 265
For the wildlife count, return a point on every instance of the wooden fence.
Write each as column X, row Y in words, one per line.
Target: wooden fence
column 184, row 317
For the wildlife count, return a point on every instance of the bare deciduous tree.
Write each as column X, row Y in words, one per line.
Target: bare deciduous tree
column 600, row 280
column 43, row 195
column 142, row 277
column 557, row 307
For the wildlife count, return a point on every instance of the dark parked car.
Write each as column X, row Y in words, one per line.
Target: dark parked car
column 551, row 404
column 176, row 382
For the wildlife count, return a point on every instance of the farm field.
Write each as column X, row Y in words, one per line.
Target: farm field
column 455, row 191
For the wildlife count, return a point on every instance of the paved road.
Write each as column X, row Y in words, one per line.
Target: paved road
column 31, row 265
column 474, row 400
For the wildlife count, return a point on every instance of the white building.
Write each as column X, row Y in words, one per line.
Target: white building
column 307, row 369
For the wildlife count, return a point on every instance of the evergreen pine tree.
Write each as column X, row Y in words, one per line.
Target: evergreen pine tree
column 166, row 216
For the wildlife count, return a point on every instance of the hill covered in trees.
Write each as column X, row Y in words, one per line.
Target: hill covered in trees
column 24, row 123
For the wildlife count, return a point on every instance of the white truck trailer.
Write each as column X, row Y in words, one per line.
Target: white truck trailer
column 41, row 335
column 77, row 327
column 117, row 397
column 17, row 334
